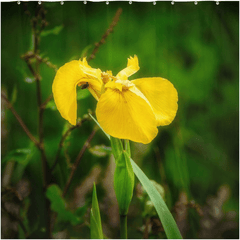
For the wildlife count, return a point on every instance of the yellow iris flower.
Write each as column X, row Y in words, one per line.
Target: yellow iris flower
column 126, row 109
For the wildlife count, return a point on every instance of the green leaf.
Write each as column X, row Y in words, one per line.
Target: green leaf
column 81, row 211
column 21, row 156
column 24, row 158
column 159, row 188
column 23, row 213
column 149, row 209
column 51, row 105
column 95, row 219
column 14, row 95
column 54, row 194
column 56, row 30
column 100, row 150
column 164, row 214
column 123, row 182
column 83, row 93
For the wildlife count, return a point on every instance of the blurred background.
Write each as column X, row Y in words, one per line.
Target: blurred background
column 194, row 161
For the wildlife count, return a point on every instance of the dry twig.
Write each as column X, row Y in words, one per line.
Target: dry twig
column 64, row 136
column 77, row 161
column 19, row 119
column 31, row 55
column 38, row 24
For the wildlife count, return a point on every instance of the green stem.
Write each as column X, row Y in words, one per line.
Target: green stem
column 117, row 147
column 127, row 147
column 123, row 226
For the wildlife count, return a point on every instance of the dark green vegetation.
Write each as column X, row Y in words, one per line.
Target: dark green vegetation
column 195, row 159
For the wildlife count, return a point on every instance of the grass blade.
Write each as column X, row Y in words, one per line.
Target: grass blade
column 95, row 219
column 164, row 214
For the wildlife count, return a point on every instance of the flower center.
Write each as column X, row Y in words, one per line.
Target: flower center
column 125, row 83
column 120, row 85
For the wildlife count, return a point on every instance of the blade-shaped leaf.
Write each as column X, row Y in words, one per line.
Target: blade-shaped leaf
column 14, row 95
column 95, row 218
column 85, row 51
column 164, row 214
column 98, row 124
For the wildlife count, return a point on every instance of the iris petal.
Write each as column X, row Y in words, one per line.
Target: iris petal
column 125, row 115
column 91, row 72
column 64, row 88
column 131, row 68
column 162, row 96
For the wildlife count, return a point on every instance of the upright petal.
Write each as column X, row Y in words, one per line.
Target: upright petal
column 64, row 88
column 91, row 72
column 131, row 68
column 125, row 115
column 162, row 95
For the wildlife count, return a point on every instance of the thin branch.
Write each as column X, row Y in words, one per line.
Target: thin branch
column 77, row 161
column 22, row 124
column 46, row 177
column 105, row 35
column 32, row 138
column 40, row 111
column 46, row 172
column 38, row 24
column 47, row 62
column 44, row 104
column 64, row 136
column 36, row 76
column 31, row 55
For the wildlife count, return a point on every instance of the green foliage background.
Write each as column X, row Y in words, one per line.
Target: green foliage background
column 195, row 47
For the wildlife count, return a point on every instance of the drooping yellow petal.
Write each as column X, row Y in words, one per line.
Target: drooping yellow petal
column 125, row 115
column 131, row 68
column 95, row 91
column 162, row 96
column 64, row 88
